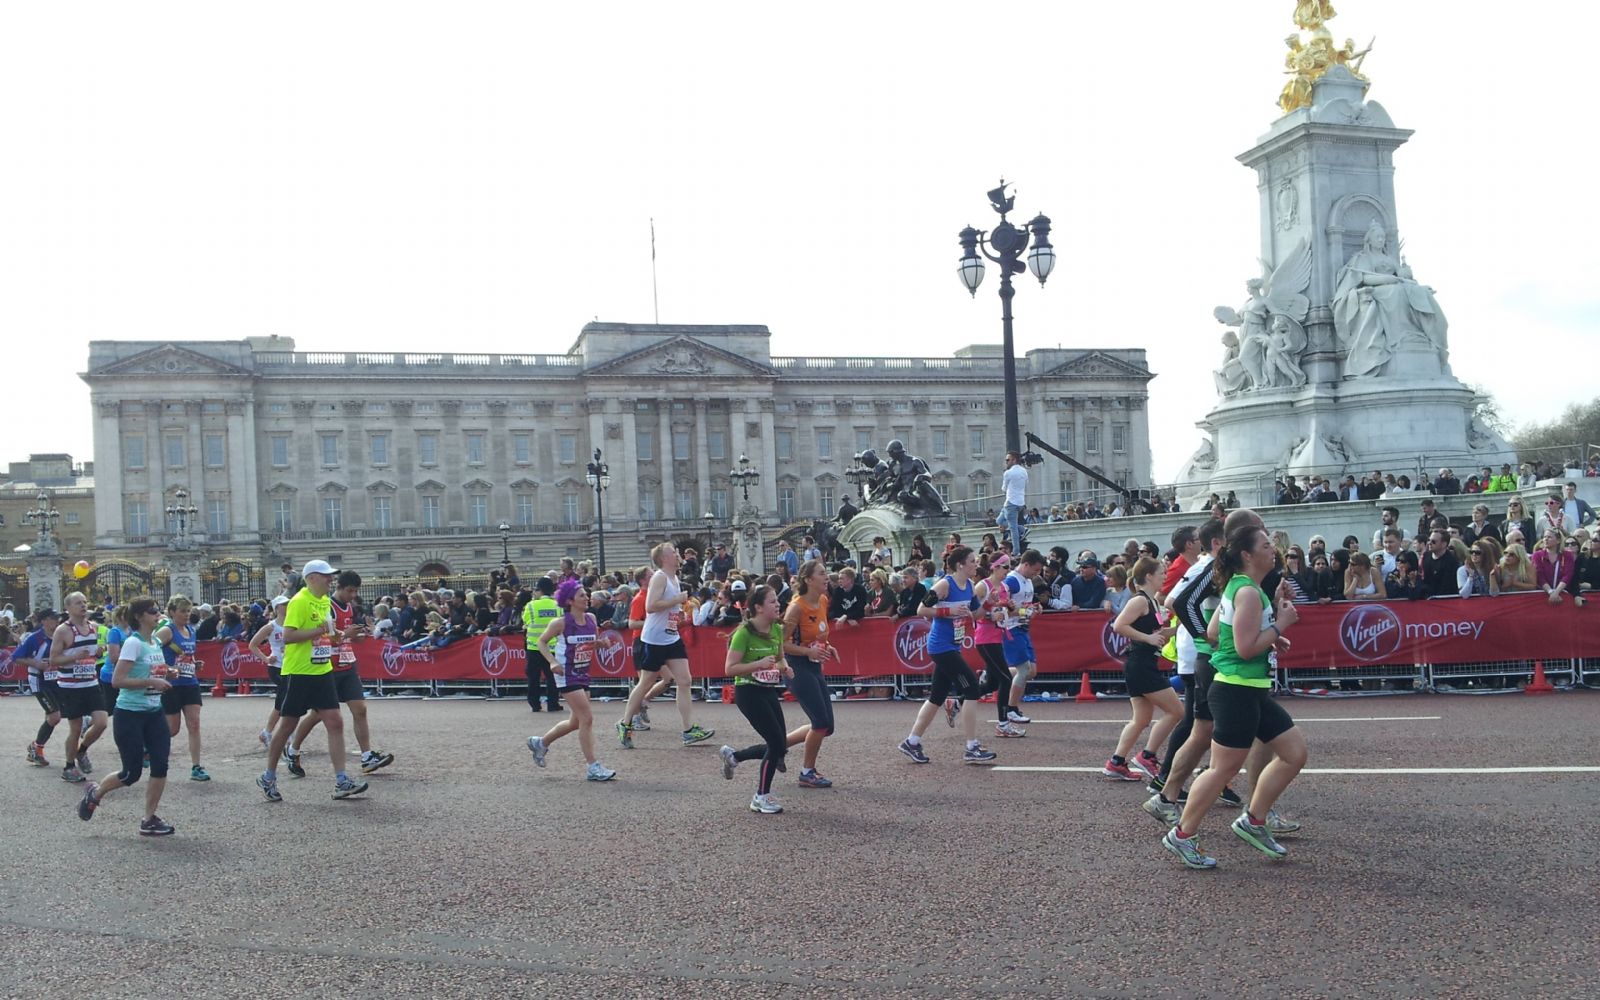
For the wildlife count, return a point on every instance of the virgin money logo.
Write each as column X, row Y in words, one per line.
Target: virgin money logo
column 911, row 644
column 233, row 657
column 1114, row 643
column 7, row 668
column 610, row 653
column 396, row 656
column 495, row 655
column 1370, row 632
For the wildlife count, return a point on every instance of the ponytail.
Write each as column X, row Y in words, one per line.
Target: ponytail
column 806, row 569
column 1231, row 560
column 955, row 557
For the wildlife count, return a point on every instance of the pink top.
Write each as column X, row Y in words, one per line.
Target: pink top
column 1550, row 570
column 986, row 631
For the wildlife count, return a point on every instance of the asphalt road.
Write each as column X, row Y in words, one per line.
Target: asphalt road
column 466, row 871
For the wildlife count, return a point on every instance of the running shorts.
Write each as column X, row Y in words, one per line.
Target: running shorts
column 175, row 698
column 657, row 657
column 1246, row 714
column 308, row 692
column 1018, row 647
column 347, row 686
column 75, row 703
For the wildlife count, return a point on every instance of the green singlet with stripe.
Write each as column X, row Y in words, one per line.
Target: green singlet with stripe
column 1230, row 667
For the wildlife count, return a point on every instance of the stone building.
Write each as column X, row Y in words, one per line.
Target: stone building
column 70, row 489
column 394, row 461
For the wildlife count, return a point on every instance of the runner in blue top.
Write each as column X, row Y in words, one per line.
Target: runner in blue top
column 570, row 661
column 34, row 650
column 182, row 703
column 951, row 606
column 112, row 640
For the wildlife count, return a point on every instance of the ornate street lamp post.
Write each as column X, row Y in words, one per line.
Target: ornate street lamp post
column 180, row 516
column 599, row 479
column 505, row 544
column 744, row 477
column 44, row 518
column 1008, row 242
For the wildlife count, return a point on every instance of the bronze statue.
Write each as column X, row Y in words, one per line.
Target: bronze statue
column 913, row 481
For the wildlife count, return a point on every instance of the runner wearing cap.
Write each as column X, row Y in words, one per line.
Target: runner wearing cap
column 346, row 682
column 75, row 652
column 34, row 650
column 267, row 643
column 308, row 648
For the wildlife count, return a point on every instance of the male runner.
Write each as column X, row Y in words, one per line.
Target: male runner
column 34, row 650
column 308, row 639
column 75, row 652
column 1018, row 644
column 346, row 682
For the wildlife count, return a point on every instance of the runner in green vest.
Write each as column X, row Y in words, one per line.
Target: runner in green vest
column 536, row 617
column 1248, row 630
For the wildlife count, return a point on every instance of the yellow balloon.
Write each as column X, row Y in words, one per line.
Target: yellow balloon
column 80, row 569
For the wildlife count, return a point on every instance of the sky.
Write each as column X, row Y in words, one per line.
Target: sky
column 481, row 177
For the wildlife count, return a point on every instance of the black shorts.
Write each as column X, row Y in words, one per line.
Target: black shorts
column 176, row 697
column 308, row 693
column 278, row 687
column 950, row 671
column 568, row 689
column 108, row 696
column 347, row 685
column 1204, row 674
column 657, row 657
column 77, row 702
column 49, row 697
column 811, row 691
column 1245, row 714
column 1142, row 677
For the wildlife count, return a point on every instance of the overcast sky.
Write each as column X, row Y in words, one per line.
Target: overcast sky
column 480, row 177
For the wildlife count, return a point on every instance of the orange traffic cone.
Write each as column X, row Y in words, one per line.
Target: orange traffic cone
column 219, row 691
column 1539, row 684
column 1085, row 692
column 244, row 687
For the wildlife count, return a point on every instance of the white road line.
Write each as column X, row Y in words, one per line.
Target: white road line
column 1362, row 718
column 1542, row 769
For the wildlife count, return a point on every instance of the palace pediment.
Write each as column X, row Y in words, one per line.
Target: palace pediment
column 681, row 356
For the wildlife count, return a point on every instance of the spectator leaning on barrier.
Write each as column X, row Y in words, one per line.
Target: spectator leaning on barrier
column 1439, row 566
column 847, row 601
column 911, row 594
column 1515, row 574
column 1555, row 565
column 1088, row 588
column 1476, row 577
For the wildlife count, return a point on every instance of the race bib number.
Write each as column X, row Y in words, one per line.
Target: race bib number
column 85, row 669
column 959, row 629
column 185, row 665
column 321, row 652
column 769, row 676
column 582, row 654
column 674, row 619
column 158, row 670
column 347, row 654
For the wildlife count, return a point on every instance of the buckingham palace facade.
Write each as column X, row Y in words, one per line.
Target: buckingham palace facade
column 393, row 461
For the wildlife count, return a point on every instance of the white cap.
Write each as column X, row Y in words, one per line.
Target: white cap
column 279, row 601
column 318, row 566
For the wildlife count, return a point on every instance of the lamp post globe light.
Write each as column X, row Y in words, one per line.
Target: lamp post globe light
column 711, row 538
column 44, row 518
column 181, row 515
column 599, row 479
column 744, row 477
column 1008, row 243
column 505, row 544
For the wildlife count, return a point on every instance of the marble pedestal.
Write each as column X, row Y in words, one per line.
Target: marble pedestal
column 896, row 528
column 44, row 582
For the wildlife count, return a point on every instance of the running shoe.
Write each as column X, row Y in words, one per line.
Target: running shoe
column 372, row 760
column 814, row 779
column 1229, row 797
column 266, row 738
column 644, row 714
column 728, row 761
column 1009, row 731
column 625, row 735
column 695, row 734
column 979, row 755
column 1161, row 809
column 269, row 788
column 1280, row 824
column 346, row 788
column 155, row 826
column 599, row 772
column 1012, row 715
column 198, row 773
column 291, row 760
column 765, row 804
column 83, row 763
column 89, row 802
column 1147, row 762
column 641, row 723
column 1187, row 849
column 914, row 751
column 952, row 709
column 1118, row 772
column 1155, row 785
column 536, row 745
column 36, row 755
column 1259, row 837
column 71, row 773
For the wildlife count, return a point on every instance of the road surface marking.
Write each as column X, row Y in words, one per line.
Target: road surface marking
column 1361, row 718
column 1536, row 769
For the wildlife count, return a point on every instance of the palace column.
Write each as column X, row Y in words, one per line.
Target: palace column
column 108, row 513
column 669, row 488
column 702, row 460
column 155, row 456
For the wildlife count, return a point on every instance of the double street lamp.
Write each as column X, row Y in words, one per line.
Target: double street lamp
column 744, row 476
column 599, row 479
column 180, row 518
column 44, row 518
column 1008, row 242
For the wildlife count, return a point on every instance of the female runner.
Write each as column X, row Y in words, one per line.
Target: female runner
column 570, row 662
column 989, row 634
column 758, row 668
column 1148, row 688
column 182, row 703
column 805, row 648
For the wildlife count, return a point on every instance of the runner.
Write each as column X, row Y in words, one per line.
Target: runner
column 139, row 730
column 1148, row 689
column 308, row 640
column 636, row 617
column 1018, row 644
column 75, row 652
column 346, row 682
column 34, row 650
column 537, row 615
column 111, row 638
column 756, row 663
column 1248, row 629
column 267, row 643
column 805, row 649
column 569, row 663
column 662, row 648
column 181, row 702
column 950, row 603
column 989, row 634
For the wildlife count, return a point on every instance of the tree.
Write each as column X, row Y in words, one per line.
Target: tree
column 1566, row 438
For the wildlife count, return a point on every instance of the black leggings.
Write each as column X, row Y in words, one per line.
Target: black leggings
column 764, row 708
column 1180, row 732
column 950, row 670
column 538, row 667
column 996, row 676
column 137, row 734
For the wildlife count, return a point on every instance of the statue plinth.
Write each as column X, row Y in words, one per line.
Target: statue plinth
column 896, row 528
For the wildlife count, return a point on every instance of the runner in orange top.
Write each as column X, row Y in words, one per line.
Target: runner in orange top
column 805, row 649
